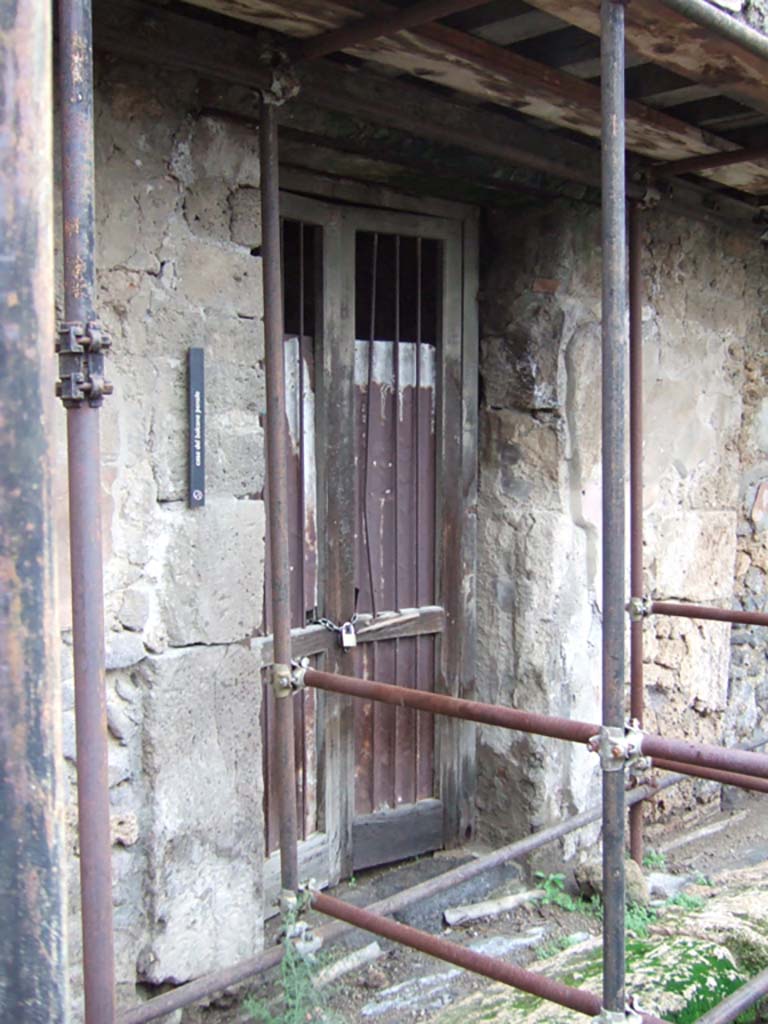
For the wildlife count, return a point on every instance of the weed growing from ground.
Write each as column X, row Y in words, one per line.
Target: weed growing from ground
column 299, row 1001
column 655, row 860
column 554, row 892
column 686, row 901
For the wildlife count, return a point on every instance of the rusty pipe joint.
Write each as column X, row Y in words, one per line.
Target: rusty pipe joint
column 639, row 608
column 619, row 748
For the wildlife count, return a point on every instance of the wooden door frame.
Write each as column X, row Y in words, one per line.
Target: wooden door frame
column 327, row 855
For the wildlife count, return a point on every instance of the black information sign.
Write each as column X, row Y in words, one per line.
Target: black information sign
column 196, row 402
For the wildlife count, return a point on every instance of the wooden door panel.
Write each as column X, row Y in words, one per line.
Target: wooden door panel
column 374, row 366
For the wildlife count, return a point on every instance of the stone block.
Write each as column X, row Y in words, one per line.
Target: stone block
column 206, row 209
column 211, row 577
column 694, row 555
column 245, row 205
column 123, row 650
column 202, row 763
column 219, row 277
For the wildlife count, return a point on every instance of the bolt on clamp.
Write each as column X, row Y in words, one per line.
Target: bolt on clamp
column 619, row 747
column 281, row 680
column 639, row 608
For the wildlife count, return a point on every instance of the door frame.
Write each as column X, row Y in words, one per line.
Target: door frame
column 328, row 854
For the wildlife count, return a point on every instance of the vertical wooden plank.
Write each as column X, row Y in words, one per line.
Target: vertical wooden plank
column 337, row 482
column 458, row 419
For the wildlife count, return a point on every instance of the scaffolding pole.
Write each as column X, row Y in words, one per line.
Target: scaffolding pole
column 703, row 611
column 206, row 986
column 32, row 876
column 277, row 506
column 613, row 389
column 636, row 681
column 81, row 387
column 681, row 752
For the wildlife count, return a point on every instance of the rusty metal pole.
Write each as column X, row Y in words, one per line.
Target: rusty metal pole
column 32, row 948
column 614, row 353
column 81, row 388
column 277, row 509
column 636, row 681
column 681, row 752
column 703, row 611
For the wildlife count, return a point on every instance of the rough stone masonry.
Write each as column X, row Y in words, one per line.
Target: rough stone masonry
column 179, row 266
column 705, row 466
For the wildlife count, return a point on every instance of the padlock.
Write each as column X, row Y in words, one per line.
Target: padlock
column 348, row 636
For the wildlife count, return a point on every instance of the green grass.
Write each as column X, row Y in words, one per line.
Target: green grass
column 655, row 860
column 555, row 946
column 298, row 1001
column 554, row 892
column 686, row 901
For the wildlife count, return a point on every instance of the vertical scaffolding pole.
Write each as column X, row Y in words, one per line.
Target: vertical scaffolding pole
column 614, row 337
column 81, row 388
column 636, row 682
column 277, row 511
column 32, row 950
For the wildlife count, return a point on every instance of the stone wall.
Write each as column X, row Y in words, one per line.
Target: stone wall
column 178, row 237
column 179, row 266
column 539, row 577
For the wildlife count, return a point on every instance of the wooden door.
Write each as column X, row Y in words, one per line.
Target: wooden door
column 390, row 362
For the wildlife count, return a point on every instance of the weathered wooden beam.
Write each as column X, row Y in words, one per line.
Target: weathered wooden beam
column 473, row 66
column 666, row 38
column 399, row 152
column 139, row 31
column 365, row 30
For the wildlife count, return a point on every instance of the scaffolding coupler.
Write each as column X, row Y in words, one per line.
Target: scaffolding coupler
column 620, row 747
column 639, row 608
column 80, row 348
column 627, row 1016
column 288, row 679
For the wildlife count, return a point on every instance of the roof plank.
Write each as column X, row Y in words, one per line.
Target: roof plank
column 666, row 38
column 477, row 68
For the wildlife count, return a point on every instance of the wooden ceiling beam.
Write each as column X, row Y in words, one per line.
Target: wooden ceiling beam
column 491, row 73
column 368, row 29
column 666, row 38
column 140, row 31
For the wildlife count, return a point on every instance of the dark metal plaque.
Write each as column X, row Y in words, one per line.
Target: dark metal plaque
column 196, row 404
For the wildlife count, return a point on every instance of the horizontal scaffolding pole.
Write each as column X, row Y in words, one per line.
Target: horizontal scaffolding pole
column 699, row 755
column 453, row 707
column 365, row 30
column 713, row 775
column 703, row 611
column 710, row 162
column 451, row 952
column 722, row 24
column 202, row 988
column 739, row 1001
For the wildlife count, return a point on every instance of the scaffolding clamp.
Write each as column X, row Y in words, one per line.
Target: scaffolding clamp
column 298, row 671
column 620, row 747
column 284, row 82
column 639, row 608
column 80, row 348
column 282, row 680
column 626, row 1016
